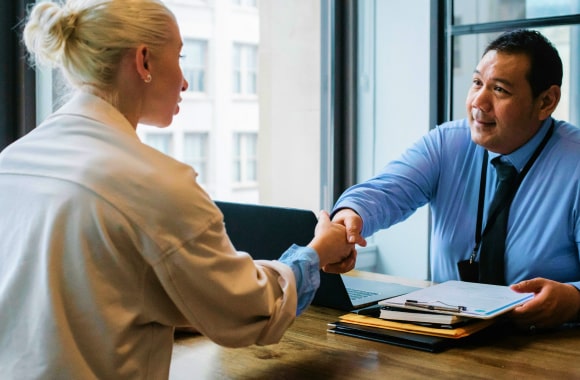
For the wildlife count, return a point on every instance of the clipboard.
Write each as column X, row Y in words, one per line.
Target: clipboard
column 468, row 299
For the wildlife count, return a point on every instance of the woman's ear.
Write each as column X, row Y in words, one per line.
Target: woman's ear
column 548, row 101
column 142, row 62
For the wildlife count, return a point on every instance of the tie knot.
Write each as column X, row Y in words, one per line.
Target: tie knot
column 505, row 171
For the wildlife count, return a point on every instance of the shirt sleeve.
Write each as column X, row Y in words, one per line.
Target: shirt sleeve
column 401, row 187
column 305, row 264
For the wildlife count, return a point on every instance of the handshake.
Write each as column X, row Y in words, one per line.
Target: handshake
column 334, row 240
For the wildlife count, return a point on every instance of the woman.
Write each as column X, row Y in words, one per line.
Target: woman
column 107, row 243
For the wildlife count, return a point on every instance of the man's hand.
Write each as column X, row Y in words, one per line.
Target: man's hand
column 353, row 224
column 336, row 254
column 554, row 303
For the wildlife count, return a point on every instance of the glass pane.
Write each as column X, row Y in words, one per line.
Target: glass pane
column 161, row 142
column 237, row 171
column 194, row 64
column 482, row 11
column 566, row 39
column 195, row 153
column 252, row 177
column 393, row 113
column 251, row 85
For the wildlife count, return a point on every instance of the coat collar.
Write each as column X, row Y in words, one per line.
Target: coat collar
column 91, row 106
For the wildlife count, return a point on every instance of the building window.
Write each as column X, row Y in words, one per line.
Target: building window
column 160, row 141
column 245, row 158
column 245, row 64
column 194, row 64
column 195, row 153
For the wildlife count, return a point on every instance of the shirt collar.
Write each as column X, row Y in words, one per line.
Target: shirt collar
column 520, row 156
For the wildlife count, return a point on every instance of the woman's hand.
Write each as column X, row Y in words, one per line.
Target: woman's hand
column 336, row 254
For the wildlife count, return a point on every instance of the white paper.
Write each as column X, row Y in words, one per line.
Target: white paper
column 479, row 300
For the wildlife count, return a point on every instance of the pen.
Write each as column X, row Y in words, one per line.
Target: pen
column 423, row 305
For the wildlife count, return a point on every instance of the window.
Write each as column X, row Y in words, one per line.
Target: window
column 393, row 88
column 489, row 11
column 195, row 153
column 280, row 42
column 245, row 65
column 160, row 141
column 194, row 64
column 245, row 158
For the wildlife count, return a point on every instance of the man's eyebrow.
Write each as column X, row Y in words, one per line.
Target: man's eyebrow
column 504, row 81
column 497, row 79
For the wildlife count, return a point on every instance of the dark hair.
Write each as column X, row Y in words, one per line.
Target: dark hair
column 545, row 62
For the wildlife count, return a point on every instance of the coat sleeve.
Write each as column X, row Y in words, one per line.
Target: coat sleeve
column 226, row 295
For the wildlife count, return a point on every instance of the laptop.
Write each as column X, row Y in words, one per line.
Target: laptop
column 265, row 232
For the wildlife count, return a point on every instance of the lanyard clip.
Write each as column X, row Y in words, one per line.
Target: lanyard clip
column 473, row 254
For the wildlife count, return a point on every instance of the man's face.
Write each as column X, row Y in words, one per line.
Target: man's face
column 502, row 114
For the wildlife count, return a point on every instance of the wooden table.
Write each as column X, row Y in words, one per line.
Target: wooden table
column 307, row 352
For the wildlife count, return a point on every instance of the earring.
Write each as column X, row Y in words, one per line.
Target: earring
column 148, row 79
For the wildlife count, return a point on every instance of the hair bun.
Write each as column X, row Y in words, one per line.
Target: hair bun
column 48, row 28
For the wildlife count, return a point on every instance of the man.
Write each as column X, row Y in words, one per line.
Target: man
column 515, row 89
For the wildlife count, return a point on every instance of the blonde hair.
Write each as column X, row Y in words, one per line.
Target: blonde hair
column 87, row 39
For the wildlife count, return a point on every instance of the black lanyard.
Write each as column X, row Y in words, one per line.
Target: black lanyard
column 519, row 179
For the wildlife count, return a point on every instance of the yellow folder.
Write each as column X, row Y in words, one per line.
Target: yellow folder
column 458, row 332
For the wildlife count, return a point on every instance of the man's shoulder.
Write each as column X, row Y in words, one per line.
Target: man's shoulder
column 458, row 127
column 453, row 132
column 567, row 131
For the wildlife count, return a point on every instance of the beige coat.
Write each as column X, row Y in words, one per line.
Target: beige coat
column 111, row 245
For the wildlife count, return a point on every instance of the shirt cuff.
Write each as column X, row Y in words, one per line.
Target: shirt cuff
column 305, row 264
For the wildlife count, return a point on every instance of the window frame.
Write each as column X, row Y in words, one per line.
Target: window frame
column 18, row 90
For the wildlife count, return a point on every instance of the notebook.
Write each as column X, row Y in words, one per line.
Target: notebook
column 265, row 232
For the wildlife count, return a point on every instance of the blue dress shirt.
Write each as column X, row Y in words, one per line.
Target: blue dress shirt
column 444, row 168
column 305, row 264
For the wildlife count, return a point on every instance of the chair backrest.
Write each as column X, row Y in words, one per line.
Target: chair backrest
column 265, row 232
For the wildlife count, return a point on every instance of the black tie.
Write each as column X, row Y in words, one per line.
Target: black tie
column 491, row 258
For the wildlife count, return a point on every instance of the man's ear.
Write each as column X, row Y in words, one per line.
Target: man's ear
column 142, row 61
column 548, row 101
